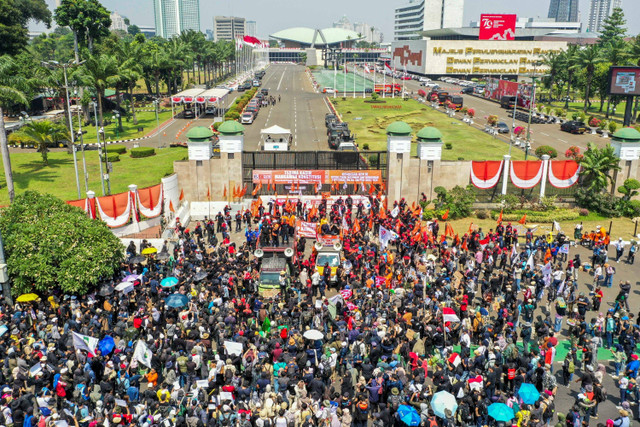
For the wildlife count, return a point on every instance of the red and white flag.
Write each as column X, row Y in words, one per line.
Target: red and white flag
column 346, row 293
column 366, row 68
column 484, row 242
column 476, row 383
column 351, row 306
column 386, row 64
column 454, row 359
column 449, row 315
column 251, row 41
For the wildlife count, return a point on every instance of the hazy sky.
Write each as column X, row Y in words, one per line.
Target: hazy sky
column 275, row 15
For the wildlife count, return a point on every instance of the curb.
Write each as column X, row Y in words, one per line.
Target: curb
column 162, row 127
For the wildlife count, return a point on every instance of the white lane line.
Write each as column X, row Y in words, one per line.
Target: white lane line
column 562, row 140
column 280, row 82
column 545, row 134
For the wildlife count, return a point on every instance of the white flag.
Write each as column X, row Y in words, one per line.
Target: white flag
column 564, row 249
column 142, row 354
column 395, row 211
column 385, row 236
column 556, row 225
column 85, row 342
column 530, row 262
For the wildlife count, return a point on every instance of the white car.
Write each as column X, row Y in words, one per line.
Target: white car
column 328, row 90
column 424, row 79
column 246, row 118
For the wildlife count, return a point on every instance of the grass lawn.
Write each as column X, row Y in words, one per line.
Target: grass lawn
column 146, row 120
column 58, row 178
column 369, row 125
column 594, row 110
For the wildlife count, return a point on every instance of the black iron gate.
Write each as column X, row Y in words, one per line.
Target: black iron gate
column 310, row 160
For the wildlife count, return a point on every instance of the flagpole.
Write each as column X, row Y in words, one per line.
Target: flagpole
column 335, row 71
column 393, row 83
column 444, row 327
column 403, row 79
column 354, row 78
column 364, row 82
column 344, row 75
column 384, row 81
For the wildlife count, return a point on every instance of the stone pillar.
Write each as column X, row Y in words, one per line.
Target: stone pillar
column 545, row 174
column 505, row 175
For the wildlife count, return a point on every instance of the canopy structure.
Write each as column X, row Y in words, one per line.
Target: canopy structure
column 212, row 96
column 186, row 96
column 275, row 130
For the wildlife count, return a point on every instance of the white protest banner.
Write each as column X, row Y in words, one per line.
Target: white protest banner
column 233, row 347
column 564, row 249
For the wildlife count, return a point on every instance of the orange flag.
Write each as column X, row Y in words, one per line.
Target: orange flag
column 171, row 207
column 464, row 245
column 181, row 195
column 208, row 193
column 384, row 204
column 315, row 188
column 500, row 216
column 371, row 189
column 255, row 191
column 355, row 188
column 356, row 226
column 470, row 228
column 445, row 215
column 224, row 194
column 523, row 220
column 370, row 222
column 448, row 230
column 383, row 214
column 244, row 191
column 313, row 212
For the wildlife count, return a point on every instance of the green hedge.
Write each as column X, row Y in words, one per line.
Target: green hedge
column 112, row 157
column 142, row 152
column 535, row 216
column 116, row 148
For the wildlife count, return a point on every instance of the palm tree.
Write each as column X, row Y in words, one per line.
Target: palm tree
column 587, row 59
column 100, row 72
column 596, row 166
column 567, row 61
column 43, row 134
column 554, row 61
column 12, row 85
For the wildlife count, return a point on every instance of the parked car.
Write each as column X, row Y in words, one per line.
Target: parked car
column 328, row 90
column 264, row 91
column 573, row 126
column 188, row 114
column 467, row 90
column 246, row 118
column 503, row 127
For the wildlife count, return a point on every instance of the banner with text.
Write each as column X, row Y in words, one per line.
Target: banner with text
column 288, row 176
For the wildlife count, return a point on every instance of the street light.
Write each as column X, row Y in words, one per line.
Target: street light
column 532, row 101
column 100, row 131
column 80, row 136
column 116, row 118
column 156, row 104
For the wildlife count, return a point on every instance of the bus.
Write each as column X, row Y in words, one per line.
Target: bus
column 457, row 101
column 388, row 88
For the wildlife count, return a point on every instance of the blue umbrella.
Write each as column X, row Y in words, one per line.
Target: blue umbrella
column 528, row 393
column 408, row 415
column 176, row 300
column 169, row 282
column 500, row 412
column 441, row 401
column 106, row 345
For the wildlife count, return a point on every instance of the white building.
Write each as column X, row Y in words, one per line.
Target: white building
column 117, row 22
column 344, row 23
column 543, row 24
column 172, row 17
column 251, row 28
column 228, row 28
column 423, row 15
column 368, row 35
column 599, row 11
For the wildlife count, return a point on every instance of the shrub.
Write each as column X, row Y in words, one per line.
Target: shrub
column 448, row 145
column 464, row 110
column 546, row 149
column 594, row 122
column 575, row 115
column 116, row 148
column 602, row 203
column 613, row 126
column 548, row 110
column 471, row 112
column 602, row 125
column 534, row 216
column 583, row 212
column 519, row 131
column 216, row 125
column 232, row 115
column 482, row 214
column 375, row 96
column 111, row 157
column 560, row 112
column 573, row 152
column 139, row 152
column 492, row 120
column 365, row 146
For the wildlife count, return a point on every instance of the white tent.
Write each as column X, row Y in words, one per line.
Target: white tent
column 275, row 130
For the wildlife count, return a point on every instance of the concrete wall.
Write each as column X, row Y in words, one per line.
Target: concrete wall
column 197, row 177
column 628, row 169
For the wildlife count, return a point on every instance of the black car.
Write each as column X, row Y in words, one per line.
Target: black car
column 573, row 126
column 264, row 91
column 329, row 118
column 502, row 127
column 467, row 90
column 188, row 114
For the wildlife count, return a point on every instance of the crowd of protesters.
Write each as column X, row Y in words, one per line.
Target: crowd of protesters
column 230, row 356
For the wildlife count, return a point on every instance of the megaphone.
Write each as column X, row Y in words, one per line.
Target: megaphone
column 337, row 246
column 288, row 252
column 259, row 253
column 318, row 246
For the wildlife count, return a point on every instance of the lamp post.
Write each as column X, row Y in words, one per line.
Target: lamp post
column 531, row 102
column 116, row 118
column 156, row 103
column 80, row 136
column 98, row 132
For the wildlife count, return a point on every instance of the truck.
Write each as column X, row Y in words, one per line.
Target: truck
column 388, row 88
column 328, row 249
column 457, row 101
column 272, row 262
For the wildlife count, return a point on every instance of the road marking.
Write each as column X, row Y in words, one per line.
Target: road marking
column 545, row 134
column 280, row 82
column 562, row 140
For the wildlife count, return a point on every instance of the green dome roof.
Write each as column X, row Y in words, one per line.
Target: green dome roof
column 231, row 127
column 429, row 133
column 627, row 135
column 399, row 128
column 199, row 133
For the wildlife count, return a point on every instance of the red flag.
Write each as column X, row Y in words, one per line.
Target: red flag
column 523, row 220
column 224, row 194
column 171, row 207
column 445, row 215
column 355, row 188
column 500, row 216
column 448, row 230
column 233, row 192
column 181, row 195
column 208, row 193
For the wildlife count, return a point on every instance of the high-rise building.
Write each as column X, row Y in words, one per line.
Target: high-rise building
column 117, row 22
column 369, row 33
column 599, row 11
column 175, row 16
column 251, row 28
column 564, row 10
column 424, row 15
column 343, row 23
column 228, row 28
column 209, row 34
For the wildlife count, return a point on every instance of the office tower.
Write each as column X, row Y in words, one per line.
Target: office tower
column 175, row 16
column 251, row 28
column 228, row 28
column 422, row 15
column 599, row 11
column 564, row 10
column 117, row 22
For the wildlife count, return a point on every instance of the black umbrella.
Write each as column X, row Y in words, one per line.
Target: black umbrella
column 200, row 275
column 105, row 291
column 162, row 256
column 137, row 259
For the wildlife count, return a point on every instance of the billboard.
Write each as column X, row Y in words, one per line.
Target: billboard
column 497, row 27
column 288, row 176
column 624, row 81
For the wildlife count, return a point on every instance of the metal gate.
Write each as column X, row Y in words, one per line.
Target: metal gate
column 311, row 160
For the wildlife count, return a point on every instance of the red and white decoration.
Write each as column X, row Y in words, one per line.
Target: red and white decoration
column 485, row 175
column 149, row 200
column 200, row 100
column 449, row 315
column 115, row 210
column 346, row 293
column 563, row 173
column 176, row 99
column 525, row 174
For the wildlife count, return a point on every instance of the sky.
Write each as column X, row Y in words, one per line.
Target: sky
column 275, row 15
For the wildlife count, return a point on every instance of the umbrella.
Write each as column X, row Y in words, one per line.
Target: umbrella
column 409, row 415
column 176, row 300
column 105, row 291
column 441, row 401
column 27, row 298
column 137, row 259
column 169, row 282
column 125, row 287
column 106, row 345
column 500, row 412
column 162, row 256
column 200, row 275
column 528, row 393
column 149, row 251
column 131, row 278
column 313, row 334
column 432, row 257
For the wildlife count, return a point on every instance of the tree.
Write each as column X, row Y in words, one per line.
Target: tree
column 614, row 27
column 15, row 16
column 42, row 134
column 100, row 72
column 133, row 29
column 629, row 188
column 567, row 60
column 596, row 167
column 53, row 246
column 587, row 59
column 88, row 19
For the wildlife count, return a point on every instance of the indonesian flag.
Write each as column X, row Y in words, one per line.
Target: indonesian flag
column 386, row 64
column 449, row 315
column 476, row 383
column 251, row 41
column 454, row 359
column 346, row 293
column 366, row 68
column 484, row 242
